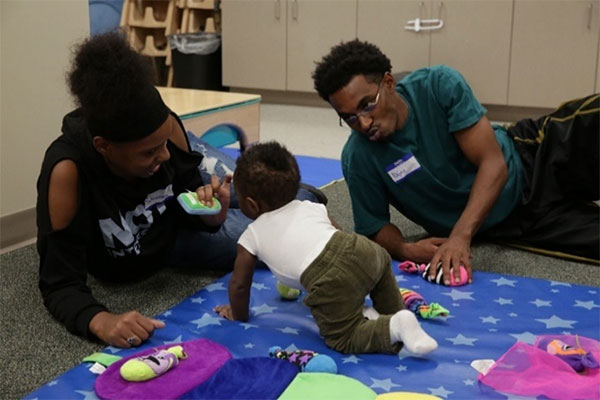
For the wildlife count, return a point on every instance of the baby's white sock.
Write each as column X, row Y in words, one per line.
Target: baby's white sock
column 370, row 313
column 405, row 328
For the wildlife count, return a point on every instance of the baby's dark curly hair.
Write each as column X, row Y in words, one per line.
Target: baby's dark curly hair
column 107, row 73
column 267, row 172
column 345, row 61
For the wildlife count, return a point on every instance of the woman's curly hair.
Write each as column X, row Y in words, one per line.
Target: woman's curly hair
column 267, row 172
column 345, row 61
column 106, row 74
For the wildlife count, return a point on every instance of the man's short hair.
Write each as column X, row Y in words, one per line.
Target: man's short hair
column 345, row 61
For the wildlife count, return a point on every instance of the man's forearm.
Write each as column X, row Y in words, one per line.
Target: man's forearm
column 489, row 181
column 390, row 238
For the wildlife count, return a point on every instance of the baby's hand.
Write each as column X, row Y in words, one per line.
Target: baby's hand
column 224, row 311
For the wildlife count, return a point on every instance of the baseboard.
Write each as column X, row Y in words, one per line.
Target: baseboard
column 17, row 228
column 509, row 114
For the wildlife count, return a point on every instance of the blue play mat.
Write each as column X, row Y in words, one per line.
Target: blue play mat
column 487, row 318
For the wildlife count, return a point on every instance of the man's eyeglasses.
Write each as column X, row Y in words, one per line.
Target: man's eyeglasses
column 352, row 119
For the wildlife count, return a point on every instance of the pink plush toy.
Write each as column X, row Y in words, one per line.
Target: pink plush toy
column 423, row 269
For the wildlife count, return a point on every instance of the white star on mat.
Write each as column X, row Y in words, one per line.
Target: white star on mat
column 440, row 391
column 167, row 313
column 176, row 340
column 566, row 332
column 493, row 330
column 292, row 347
column 263, row 309
column 557, row 322
column 287, row 329
column 458, row 295
column 215, row 286
column 512, row 314
column 556, row 283
column 400, row 278
column 455, row 305
column 541, row 303
column 510, row 396
column 401, row 368
column 249, row 345
column 460, row 339
column 52, row 383
column 555, row 290
column 525, row 337
column 489, row 320
column 441, row 318
column 469, row 382
column 198, row 300
column 502, row 301
column 351, row 359
column 385, row 384
column 113, row 349
column 259, row 286
column 591, row 291
column 503, row 282
column 247, row 326
column 588, row 305
column 206, row 320
column 87, row 395
column 415, row 287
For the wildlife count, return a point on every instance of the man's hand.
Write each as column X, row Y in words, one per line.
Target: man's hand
column 423, row 250
column 123, row 330
column 391, row 239
column 452, row 254
column 224, row 311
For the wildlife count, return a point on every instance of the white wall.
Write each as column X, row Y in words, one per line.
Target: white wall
column 36, row 37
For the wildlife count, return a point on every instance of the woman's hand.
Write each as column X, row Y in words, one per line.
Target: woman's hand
column 123, row 330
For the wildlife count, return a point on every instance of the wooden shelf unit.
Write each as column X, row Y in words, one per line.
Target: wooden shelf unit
column 148, row 23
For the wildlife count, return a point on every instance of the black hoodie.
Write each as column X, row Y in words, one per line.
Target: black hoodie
column 122, row 231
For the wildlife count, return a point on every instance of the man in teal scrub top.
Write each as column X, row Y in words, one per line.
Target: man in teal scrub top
column 425, row 146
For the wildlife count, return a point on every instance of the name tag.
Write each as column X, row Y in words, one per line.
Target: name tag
column 403, row 167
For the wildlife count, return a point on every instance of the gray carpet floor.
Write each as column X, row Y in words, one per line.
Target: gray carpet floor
column 35, row 348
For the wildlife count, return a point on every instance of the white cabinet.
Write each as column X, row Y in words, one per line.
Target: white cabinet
column 273, row 44
column 597, row 90
column 314, row 26
column 554, row 51
column 535, row 53
column 254, row 43
column 382, row 22
column 474, row 38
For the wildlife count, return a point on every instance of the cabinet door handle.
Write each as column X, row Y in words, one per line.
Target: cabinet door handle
column 590, row 14
column 278, row 10
column 419, row 24
column 295, row 10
